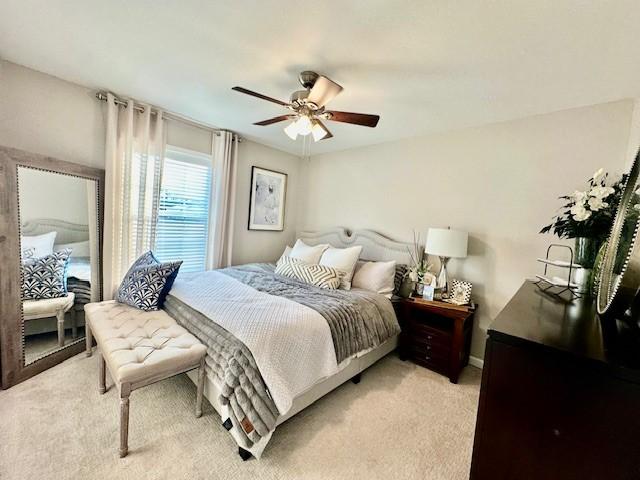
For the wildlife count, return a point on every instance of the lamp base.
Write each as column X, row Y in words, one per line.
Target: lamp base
column 441, row 282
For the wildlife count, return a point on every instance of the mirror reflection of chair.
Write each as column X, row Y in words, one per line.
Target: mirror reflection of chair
column 53, row 307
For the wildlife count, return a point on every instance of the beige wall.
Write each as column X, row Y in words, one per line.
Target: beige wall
column 252, row 245
column 46, row 115
column 43, row 114
column 499, row 182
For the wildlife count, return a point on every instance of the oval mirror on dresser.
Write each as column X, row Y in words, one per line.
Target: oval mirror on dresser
column 50, row 259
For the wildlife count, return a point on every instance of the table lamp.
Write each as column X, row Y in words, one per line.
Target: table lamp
column 445, row 243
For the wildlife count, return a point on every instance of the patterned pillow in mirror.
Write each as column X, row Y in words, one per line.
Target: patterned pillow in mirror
column 147, row 283
column 45, row 277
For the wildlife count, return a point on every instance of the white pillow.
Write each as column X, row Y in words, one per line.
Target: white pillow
column 375, row 276
column 42, row 244
column 344, row 260
column 286, row 253
column 78, row 249
column 307, row 253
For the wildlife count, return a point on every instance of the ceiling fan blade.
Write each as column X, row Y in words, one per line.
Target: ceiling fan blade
column 329, row 134
column 259, row 95
column 356, row 118
column 281, row 118
column 323, row 91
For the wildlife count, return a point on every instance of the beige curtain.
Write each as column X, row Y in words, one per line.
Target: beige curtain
column 223, row 199
column 94, row 245
column 133, row 170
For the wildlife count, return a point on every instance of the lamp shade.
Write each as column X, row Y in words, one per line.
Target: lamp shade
column 443, row 242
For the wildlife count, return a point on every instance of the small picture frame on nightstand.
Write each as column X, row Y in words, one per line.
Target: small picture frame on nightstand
column 428, row 292
column 460, row 292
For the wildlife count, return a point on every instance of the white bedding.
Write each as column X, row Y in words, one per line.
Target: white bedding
column 79, row 268
column 281, row 334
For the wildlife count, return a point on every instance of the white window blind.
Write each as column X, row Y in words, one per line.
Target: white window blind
column 183, row 216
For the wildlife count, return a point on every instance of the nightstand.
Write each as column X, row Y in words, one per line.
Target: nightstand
column 435, row 335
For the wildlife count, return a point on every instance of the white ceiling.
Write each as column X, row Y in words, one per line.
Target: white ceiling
column 424, row 66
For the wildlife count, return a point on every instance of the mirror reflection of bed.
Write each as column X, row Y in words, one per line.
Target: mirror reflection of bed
column 59, row 258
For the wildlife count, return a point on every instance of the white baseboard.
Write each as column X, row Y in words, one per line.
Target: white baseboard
column 476, row 362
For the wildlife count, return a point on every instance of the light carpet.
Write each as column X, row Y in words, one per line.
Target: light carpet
column 401, row 422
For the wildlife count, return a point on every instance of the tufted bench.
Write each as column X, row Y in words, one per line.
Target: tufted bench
column 140, row 348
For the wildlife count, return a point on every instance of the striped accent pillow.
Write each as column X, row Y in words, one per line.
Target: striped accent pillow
column 398, row 279
column 318, row 275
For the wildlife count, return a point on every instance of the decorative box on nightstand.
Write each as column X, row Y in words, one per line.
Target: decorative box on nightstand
column 435, row 335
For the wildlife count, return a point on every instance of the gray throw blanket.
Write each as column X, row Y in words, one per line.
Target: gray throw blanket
column 358, row 321
column 231, row 366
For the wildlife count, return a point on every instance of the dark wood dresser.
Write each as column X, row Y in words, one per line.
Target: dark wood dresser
column 560, row 395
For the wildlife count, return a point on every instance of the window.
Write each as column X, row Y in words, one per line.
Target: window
column 183, row 214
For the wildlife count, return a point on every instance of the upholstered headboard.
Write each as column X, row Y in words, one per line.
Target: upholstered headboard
column 375, row 246
column 67, row 232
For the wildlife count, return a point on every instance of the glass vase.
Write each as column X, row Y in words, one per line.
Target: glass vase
column 585, row 254
column 585, row 251
column 406, row 288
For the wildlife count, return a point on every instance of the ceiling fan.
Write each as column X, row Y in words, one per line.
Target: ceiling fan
column 308, row 108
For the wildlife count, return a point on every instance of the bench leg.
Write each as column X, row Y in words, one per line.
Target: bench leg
column 74, row 322
column 60, row 317
column 200, row 390
column 125, row 391
column 102, row 375
column 88, row 336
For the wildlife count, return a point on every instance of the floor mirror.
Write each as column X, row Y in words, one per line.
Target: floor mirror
column 50, row 259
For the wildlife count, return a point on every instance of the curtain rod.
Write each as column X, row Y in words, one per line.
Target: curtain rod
column 102, row 96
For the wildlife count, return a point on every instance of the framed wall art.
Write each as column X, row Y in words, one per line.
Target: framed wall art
column 268, row 195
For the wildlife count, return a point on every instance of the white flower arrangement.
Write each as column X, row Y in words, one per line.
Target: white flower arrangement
column 588, row 213
column 419, row 267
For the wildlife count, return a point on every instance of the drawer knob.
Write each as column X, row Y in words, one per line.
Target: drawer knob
column 428, row 347
column 427, row 357
column 429, row 337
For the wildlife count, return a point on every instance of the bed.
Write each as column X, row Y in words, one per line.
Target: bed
column 254, row 380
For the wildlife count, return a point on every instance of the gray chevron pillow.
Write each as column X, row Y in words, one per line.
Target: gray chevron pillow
column 45, row 277
column 318, row 275
column 147, row 283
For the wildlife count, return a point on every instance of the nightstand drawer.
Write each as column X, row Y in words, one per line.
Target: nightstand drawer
column 439, row 348
column 428, row 352
column 429, row 334
column 429, row 359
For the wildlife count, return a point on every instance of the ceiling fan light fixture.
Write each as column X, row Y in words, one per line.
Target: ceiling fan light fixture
column 318, row 132
column 307, row 108
column 304, row 125
column 292, row 130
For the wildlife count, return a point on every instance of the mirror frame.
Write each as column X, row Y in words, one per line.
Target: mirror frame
column 11, row 322
column 613, row 300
